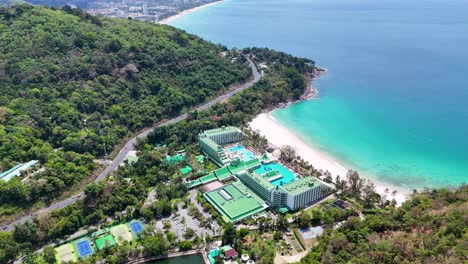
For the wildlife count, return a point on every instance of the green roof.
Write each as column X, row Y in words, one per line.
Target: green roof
column 220, row 131
column 193, row 183
column 208, row 178
column 301, row 185
column 201, row 158
column 264, row 182
column 176, row 159
column 211, row 143
column 186, row 170
column 226, row 248
column 238, row 206
column 252, row 163
column 105, row 242
column 237, row 167
column 16, row 171
column 5, row 173
column 222, row 173
column 243, row 188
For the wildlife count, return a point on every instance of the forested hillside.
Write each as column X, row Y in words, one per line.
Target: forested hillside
column 118, row 200
column 429, row 228
column 73, row 86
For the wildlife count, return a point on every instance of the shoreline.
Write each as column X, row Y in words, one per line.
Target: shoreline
column 278, row 136
column 187, row 11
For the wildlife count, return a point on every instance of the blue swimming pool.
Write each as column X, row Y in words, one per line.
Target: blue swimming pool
column 241, row 152
column 288, row 176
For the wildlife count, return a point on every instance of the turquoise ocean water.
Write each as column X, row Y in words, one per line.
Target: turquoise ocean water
column 394, row 104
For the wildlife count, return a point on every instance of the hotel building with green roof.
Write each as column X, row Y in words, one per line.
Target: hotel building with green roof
column 295, row 195
column 211, row 142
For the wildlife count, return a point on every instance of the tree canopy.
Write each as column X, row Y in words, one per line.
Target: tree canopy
column 431, row 227
column 73, row 85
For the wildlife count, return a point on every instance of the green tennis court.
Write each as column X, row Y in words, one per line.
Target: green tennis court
column 105, row 242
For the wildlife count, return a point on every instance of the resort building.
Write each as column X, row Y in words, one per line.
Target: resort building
column 294, row 195
column 211, row 142
column 226, row 253
column 305, row 191
column 17, row 170
column 260, row 182
column 261, row 186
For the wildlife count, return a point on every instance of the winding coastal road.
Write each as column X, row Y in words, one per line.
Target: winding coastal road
column 130, row 145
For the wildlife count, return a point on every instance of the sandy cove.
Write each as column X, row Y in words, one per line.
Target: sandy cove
column 188, row 11
column 278, row 136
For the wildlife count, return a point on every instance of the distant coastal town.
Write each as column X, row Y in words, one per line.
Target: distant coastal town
column 155, row 11
column 145, row 10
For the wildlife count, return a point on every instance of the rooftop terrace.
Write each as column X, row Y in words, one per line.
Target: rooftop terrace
column 221, row 130
column 301, row 185
column 210, row 142
column 261, row 180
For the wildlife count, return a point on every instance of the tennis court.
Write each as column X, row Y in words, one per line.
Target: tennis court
column 121, row 233
column 65, row 253
column 105, row 242
column 136, row 227
column 84, row 248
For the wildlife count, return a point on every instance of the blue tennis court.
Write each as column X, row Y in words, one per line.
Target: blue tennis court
column 84, row 248
column 136, row 227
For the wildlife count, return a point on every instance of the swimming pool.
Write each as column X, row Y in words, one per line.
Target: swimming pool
column 288, row 176
column 241, row 152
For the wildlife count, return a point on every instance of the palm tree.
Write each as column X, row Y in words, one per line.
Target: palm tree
column 281, row 223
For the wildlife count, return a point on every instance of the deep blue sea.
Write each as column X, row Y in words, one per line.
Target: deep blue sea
column 394, row 103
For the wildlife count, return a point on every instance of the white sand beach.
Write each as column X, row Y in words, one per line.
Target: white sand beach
column 279, row 136
column 188, row 11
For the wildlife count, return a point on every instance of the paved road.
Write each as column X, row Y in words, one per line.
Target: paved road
column 130, row 145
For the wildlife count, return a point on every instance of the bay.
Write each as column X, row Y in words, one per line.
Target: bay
column 393, row 104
